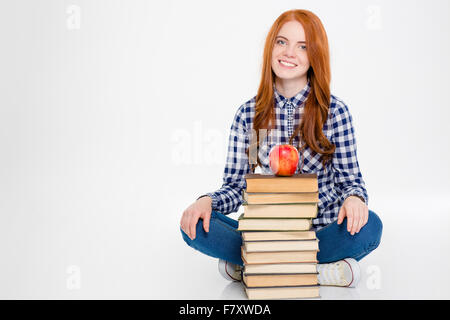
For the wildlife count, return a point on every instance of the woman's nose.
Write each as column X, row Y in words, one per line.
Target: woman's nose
column 289, row 51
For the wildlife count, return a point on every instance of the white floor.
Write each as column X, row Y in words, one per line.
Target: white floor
column 143, row 256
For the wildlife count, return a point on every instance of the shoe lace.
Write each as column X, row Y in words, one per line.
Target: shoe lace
column 331, row 274
column 234, row 272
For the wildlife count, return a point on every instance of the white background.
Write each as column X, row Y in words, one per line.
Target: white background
column 114, row 117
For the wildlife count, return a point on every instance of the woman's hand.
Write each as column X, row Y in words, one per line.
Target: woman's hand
column 199, row 209
column 357, row 214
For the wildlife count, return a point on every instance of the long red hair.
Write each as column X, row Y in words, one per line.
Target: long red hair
column 316, row 106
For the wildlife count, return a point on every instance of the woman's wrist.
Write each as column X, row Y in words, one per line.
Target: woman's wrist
column 205, row 195
column 357, row 196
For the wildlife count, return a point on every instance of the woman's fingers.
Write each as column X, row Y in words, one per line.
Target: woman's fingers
column 341, row 215
column 206, row 218
column 186, row 223
column 183, row 223
column 349, row 219
column 189, row 222
column 193, row 225
column 356, row 212
column 364, row 218
column 357, row 215
column 361, row 221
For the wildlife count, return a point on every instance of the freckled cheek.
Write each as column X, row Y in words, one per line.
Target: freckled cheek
column 305, row 64
column 275, row 64
column 274, row 58
column 304, row 61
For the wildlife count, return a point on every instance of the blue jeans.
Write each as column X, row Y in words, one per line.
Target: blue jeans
column 223, row 241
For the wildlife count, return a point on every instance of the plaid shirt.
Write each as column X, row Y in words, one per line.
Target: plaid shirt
column 338, row 180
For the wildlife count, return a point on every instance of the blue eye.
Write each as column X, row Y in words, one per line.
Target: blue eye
column 280, row 41
column 303, row 47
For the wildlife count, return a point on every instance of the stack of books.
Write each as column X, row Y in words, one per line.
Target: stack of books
column 279, row 248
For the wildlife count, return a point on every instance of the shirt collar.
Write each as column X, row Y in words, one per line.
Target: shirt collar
column 296, row 100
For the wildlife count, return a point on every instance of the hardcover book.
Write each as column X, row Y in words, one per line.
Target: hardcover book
column 263, row 224
column 278, row 235
column 290, row 210
column 278, row 198
column 279, row 280
column 282, row 292
column 288, row 245
column 280, row 268
column 278, row 257
column 304, row 182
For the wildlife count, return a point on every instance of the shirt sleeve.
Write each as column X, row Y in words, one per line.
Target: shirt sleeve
column 228, row 198
column 348, row 178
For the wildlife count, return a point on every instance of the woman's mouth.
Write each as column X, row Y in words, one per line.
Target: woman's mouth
column 286, row 64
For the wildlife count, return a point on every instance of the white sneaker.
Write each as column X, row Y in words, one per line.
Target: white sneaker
column 230, row 271
column 343, row 273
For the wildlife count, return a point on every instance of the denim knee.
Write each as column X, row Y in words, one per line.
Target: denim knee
column 373, row 230
column 185, row 237
column 189, row 241
column 197, row 242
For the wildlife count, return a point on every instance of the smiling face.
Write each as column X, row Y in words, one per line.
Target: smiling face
column 289, row 58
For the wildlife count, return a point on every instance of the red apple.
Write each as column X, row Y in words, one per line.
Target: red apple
column 283, row 160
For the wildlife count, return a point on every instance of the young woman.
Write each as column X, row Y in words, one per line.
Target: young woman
column 295, row 105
